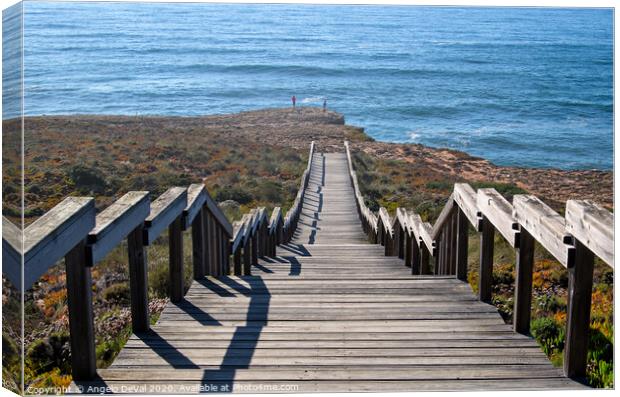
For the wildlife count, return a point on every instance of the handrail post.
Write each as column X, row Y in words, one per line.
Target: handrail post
column 279, row 234
column 580, row 274
column 408, row 248
column 397, row 249
column 416, row 262
column 255, row 247
column 214, row 248
column 401, row 242
column 210, row 243
column 523, row 282
column 425, row 264
column 175, row 239
column 462, row 245
column 225, row 254
column 247, row 255
column 237, row 261
column 273, row 242
column 138, row 280
column 198, row 245
column 453, row 240
column 485, row 276
column 264, row 235
column 81, row 323
column 439, row 257
column 219, row 236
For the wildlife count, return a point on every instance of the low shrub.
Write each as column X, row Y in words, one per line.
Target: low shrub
column 117, row 293
column 549, row 334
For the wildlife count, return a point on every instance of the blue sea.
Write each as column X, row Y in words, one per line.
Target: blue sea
column 519, row 86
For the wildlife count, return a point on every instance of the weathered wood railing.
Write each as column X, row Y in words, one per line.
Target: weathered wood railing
column 585, row 231
column 73, row 230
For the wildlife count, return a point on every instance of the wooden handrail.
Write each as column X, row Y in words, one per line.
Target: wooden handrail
column 545, row 225
column 218, row 214
column 593, row 226
column 466, row 199
column 113, row 224
column 370, row 221
column 164, row 210
column 196, row 199
column 238, row 234
column 443, row 217
column 54, row 234
column 257, row 234
column 12, row 252
column 498, row 211
column 574, row 240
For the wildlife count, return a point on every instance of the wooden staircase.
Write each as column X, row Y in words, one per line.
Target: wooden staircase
column 328, row 313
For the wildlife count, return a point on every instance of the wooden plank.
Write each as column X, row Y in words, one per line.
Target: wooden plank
column 377, row 386
column 196, row 199
column 545, row 225
column 466, row 198
column 346, row 372
column 12, row 252
column 54, row 234
column 113, row 224
column 443, row 217
column 593, row 226
column 164, row 210
column 499, row 212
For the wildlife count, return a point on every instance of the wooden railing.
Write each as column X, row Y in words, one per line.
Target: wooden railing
column 586, row 231
column 73, row 230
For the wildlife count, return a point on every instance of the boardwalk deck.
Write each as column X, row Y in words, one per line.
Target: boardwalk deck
column 329, row 313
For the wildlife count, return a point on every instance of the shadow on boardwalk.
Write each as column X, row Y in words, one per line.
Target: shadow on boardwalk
column 243, row 343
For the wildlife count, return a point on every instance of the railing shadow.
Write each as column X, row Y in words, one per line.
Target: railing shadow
column 295, row 265
column 296, row 249
column 263, row 268
column 244, row 341
column 218, row 289
column 197, row 313
column 165, row 350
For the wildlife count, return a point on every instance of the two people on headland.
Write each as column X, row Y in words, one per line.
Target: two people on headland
column 294, row 100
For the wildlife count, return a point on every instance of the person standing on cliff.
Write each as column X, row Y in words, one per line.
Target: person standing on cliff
column 324, row 105
column 294, row 100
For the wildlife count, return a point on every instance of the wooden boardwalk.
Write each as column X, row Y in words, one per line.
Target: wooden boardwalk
column 329, row 313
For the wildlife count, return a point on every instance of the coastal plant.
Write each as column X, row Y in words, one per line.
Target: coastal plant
column 549, row 334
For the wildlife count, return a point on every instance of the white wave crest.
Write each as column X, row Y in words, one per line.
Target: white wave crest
column 316, row 99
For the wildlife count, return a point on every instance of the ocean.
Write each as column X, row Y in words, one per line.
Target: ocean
column 518, row 86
